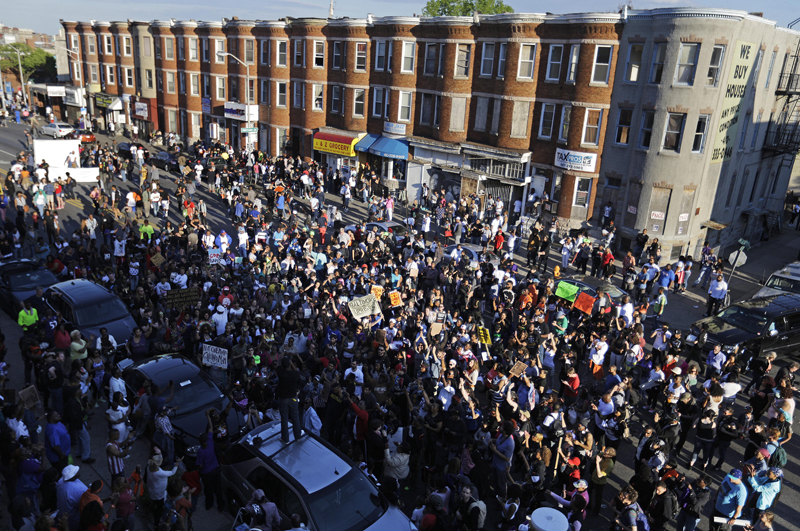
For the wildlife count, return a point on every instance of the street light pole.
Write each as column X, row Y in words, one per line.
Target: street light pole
column 246, row 89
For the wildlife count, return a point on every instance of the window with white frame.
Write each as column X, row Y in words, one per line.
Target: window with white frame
column 769, row 70
column 404, row 112
column 250, row 51
column 110, row 75
column 265, row 92
column 74, row 43
column 501, row 60
column 319, row 54
column 429, row 68
column 148, row 79
column 336, row 99
column 220, row 88
column 93, row 73
column 169, row 48
column 624, row 120
column 463, row 58
column 563, row 130
column 583, row 188
column 91, row 44
column 743, row 135
column 687, row 63
column 429, row 109
column 251, row 90
column 265, row 51
column 407, row 66
column 283, row 50
column 219, row 48
column 757, row 67
column 128, row 77
column 602, row 64
column 674, row 131
column 634, row 66
column 591, row 126
column 440, row 67
column 378, row 102
column 194, row 84
column 700, row 133
column 554, row 57
column 109, row 47
column 715, row 65
column 358, row 98
column 337, row 55
column 646, row 129
column 380, row 56
column 318, row 97
column 281, row 85
column 487, row 59
column 76, row 71
column 299, row 97
column 193, row 50
column 171, row 82
column 756, row 127
column 659, row 58
column 299, row 52
column 546, row 120
column 361, row 62
column 527, row 58
column 127, row 46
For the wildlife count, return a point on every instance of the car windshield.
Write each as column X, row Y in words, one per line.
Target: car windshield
column 350, row 504
column 99, row 312
column 743, row 318
column 399, row 230
column 613, row 291
column 24, row 280
column 783, row 284
column 193, row 393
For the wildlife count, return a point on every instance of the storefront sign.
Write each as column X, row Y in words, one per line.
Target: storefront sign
column 112, row 103
column 735, row 91
column 683, row 217
column 655, row 214
column 575, row 160
column 56, row 91
column 206, row 102
column 393, row 128
column 73, row 96
column 336, row 148
column 241, row 112
column 140, row 110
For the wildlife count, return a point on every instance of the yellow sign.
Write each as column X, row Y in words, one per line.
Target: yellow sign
column 377, row 291
column 739, row 82
column 395, row 298
column 483, row 335
column 336, row 148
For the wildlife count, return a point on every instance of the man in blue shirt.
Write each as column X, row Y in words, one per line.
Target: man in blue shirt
column 502, row 450
column 57, row 442
column 667, row 277
column 730, row 501
column 208, row 466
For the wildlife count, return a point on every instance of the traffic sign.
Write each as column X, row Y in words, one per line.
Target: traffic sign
column 249, row 129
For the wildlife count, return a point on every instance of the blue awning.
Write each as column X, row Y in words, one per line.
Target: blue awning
column 366, row 142
column 390, row 148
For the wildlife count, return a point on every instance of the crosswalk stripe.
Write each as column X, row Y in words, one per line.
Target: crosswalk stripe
column 75, row 202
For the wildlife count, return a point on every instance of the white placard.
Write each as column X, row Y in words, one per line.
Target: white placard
column 215, row 356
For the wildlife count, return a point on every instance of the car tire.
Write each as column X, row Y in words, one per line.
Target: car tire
column 233, row 502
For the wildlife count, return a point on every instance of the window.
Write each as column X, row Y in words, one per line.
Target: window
column 169, row 48
column 361, row 62
column 674, row 133
column 731, row 187
column 501, row 60
column 299, row 52
column 171, row 82
column 109, row 46
column 378, row 102
column 317, row 97
column 519, row 122
column 265, row 92
column 249, row 51
column 563, row 131
column 299, row 96
column 487, row 59
column 687, row 63
column 233, row 89
column 337, row 55
column 555, row 194
column 182, row 82
column 73, row 42
column 281, row 94
column 659, row 57
column 160, row 82
column 219, row 48
column 527, row 57
column 380, row 56
column 757, row 68
column 755, row 185
column 769, row 70
column 756, row 127
column 429, row 109
column 572, row 71
column 700, row 133
column 634, row 65
column 408, row 57
column 591, row 126
column 180, row 49
column 91, row 44
column 221, row 88
column 194, row 84
column 429, row 68
column 358, row 96
column 546, row 120
column 206, row 86
column 463, row 56
column 205, row 50
column 110, row 75
column 117, row 46
column 251, row 91
column 193, row 54
column 336, row 99
column 282, row 51
column 76, row 71
column 583, row 186
column 128, row 77
column 624, row 126
column 265, row 52
column 440, row 69
column 602, row 64
column 715, row 66
column 319, row 54
column 404, row 113
column 148, row 79
column 93, row 73
column 646, row 130
column 554, row 62
column 128, row 47
column 742, row 138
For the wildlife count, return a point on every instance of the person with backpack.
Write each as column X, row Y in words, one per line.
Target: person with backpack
column 728, row 431
column 470, row 512
column 766, row 488
column 663, row 507
column 777, row 454
column 631, row 518
column 692, row 503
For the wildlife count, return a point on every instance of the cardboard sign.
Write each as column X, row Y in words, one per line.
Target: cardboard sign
column 377, row 291
column 181, row 298
column 517, row 369
column 364, row 306
column 29, row 396
column 584, row 302
column 567, row 291
column 215, row 356
column 214, row 256
column 395, row 299
column 436, row 329
column 484, row 336
column 157, row 259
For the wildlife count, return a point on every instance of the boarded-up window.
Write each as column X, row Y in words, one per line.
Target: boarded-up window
column 659, row 206
column 481, row 113
column 685, row 215
column 632, row 208
column 519, row 119
column 496, row 116
column 458, row 109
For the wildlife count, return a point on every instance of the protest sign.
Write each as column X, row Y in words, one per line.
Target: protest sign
column 364, row 306
column 181, row 298
column 567, row 291
column 157, row 259
column 584, row 303
column 377, row 291
column 29, row 397
column 517, row 369
column 214, row 256
column 395, row 298
column 483, row 335
column 215, row 356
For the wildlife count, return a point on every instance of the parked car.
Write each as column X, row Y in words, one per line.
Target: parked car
column 194, row 394
column 473, row 253
column 219, row 162
column 84, row 135
column 56, row 129
column 165, row 160
column 592, row 285
column 308, row 477
column 756, row 326
column 786, row 279
column 88, row 307
column 124, row 150
column 18, row 282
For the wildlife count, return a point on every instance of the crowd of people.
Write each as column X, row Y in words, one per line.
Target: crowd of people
column 499, row 396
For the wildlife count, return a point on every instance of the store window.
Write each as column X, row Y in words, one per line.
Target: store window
column 583, row 186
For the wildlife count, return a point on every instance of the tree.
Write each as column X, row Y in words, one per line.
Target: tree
column 464, row 8
column 33, row 60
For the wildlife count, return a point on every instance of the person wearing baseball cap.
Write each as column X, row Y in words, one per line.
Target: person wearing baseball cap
column 765, row 485
column 69, row 490
column 759, row 461
column 730, row 501
column 575, row 502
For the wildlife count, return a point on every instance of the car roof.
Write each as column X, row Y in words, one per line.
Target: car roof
column 306, row 461
column 774, row 305
column 81, row 290
column 180, row 369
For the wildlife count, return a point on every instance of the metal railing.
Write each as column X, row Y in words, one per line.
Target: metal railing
column 785, row 140
column 788, row 83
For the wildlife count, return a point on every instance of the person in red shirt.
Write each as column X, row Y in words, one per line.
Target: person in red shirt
column 226, row 299
column 571, row 385
column 499, row 240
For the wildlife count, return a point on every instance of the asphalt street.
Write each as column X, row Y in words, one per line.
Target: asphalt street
column 681, row 311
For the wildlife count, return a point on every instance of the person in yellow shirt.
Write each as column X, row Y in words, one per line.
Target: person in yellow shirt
column 28, row 317
column 146, row 231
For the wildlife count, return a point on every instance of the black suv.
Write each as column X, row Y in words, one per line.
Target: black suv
column 756, row 326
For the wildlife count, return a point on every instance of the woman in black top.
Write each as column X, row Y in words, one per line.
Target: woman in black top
column 50, row 225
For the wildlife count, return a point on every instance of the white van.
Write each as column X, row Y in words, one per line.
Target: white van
column 786, row 280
